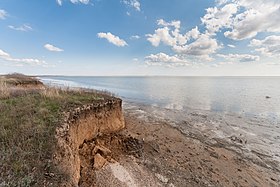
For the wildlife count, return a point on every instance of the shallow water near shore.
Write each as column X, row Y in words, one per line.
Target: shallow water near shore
column 242, row 95
column 239, row 113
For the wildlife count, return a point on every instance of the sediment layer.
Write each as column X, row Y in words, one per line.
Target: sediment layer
column 81, row 125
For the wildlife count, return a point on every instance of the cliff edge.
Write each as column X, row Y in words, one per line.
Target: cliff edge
column 82, row 125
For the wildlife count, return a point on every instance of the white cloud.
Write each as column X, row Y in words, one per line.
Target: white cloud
column 270, row 46
column 170, row 34
column 52, row 48
column 176, row 24
column 161, row 35
column 3, row 14
column 112, row 39
column 203, row 46
column 24, row 28
column 268, row 41
column 254, row 17
column 80, row 1
column 162, row 59
column 135, row 37
column 21, row 61
column 191, row 43
column 3, row 54
column 236, row 19
column 59, row 2
column 242, row 19
column 133, row 3
column 135, row 60
column 221, row 2
column 218, row 18
column 239, row 57
column 74, row 2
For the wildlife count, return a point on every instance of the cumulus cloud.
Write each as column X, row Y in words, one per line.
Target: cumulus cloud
column 169, row 34
column 235, row 19
column 161, row 35
column 176, row 24
column 3, row 14
column 112, row 39
column 268, row 41
column 24, row 28
column 52, row 48
column 242, row 19
column 22, row 61
column 74, row 2
column 133, row 3
column 203, row 46
column 218, row 18
column 239, row 57
column 191, row 43
column 254, row 17
column 269, row 46
column 162, row 59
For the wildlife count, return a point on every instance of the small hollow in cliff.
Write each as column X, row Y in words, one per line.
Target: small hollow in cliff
column 104, row 150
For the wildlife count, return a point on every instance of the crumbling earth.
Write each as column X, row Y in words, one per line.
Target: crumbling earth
column 156, row 154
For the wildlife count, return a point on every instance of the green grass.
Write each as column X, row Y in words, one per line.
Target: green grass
column 27, row 134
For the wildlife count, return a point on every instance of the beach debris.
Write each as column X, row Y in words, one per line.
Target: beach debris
column 162, row 178
column 102, row 150
column 171, row 185
column 238, row 139
column 99, row 161
column 134, row 146
column 49, row 174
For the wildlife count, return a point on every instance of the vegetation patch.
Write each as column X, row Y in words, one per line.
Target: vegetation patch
column 28, row 121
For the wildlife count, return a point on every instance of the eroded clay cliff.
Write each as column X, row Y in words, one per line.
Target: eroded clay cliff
column 83, row 125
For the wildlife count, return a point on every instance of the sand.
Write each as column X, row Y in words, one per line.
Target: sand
column 167, row 157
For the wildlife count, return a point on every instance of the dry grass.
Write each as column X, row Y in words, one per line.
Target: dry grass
column 17, row 79
column 50, row 92
column 28, row 119
column 4, row 90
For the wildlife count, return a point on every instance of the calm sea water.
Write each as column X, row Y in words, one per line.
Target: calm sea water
column 242, row 95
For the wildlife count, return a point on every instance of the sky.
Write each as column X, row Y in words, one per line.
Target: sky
column 140, row 37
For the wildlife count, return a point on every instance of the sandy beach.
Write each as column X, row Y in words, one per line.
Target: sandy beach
column 161, row 155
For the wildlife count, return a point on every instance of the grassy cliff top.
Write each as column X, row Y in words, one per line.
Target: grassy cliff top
column 17, row 79
column 28, row 119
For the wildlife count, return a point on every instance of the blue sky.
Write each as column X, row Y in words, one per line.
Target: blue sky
column 140, row 37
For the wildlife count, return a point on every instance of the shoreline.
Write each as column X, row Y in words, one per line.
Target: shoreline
column 188, row 161
column 254, row 138
column 170, row 158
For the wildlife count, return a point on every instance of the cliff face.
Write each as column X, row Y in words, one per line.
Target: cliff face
column 81, row 125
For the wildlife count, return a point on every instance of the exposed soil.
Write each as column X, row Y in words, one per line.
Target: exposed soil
column 111, row 148
column 156, row 154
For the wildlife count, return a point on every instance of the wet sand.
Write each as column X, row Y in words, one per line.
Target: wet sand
column 186, row 161
column 168, row 156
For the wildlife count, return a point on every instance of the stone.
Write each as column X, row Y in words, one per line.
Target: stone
column 103, row 150
column 99, row 161
column 162, row 178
